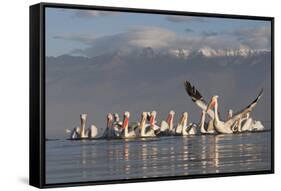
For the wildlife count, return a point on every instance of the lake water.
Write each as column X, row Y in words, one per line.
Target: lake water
column 92, row 160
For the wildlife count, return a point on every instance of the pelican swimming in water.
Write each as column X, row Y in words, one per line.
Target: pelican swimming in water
column 206, row 128
column 167, row 127
column 248, row 124
column 75, row 133
column 184, row 129
column 182, row 124
column 92, row 132
column 226, row 126
column 146, row 130
column 83, row 133
column 108, row 133
column 152, row 122
column 128, row 131
column 117, row 126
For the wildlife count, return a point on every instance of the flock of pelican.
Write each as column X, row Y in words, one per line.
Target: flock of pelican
column 148, row 127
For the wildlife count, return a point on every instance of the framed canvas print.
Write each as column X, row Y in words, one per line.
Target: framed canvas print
column 130, row 95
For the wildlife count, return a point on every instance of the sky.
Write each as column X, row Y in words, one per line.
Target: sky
column 70, row 31
column 84, row 73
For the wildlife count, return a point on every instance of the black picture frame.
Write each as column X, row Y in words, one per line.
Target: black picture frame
column 37, row 94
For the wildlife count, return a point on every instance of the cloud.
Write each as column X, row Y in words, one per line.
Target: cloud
column 83, row 38
column 206, row 33
column 150, row 37
column 92, row 13
column 179, row 19
column 137, row 37
column 188, row 30
column 255, row 37
column 165, row 39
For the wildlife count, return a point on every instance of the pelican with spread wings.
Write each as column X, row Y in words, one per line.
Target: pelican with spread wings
column 219, row 125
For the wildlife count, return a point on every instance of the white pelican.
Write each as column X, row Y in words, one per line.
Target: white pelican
column 74, row 134
column 108, row 133
column 184, row 129
column 257, row 126
column 191, row 129
column 248, row 124
column 226, row 127
column 117, row 126
column 152, row 121
column 202, row 124
column 182, row 125
column 146, row 130
column 201, row 103
column 128, row 132
column 167, row 126
column 92, row 131
column 83, row 118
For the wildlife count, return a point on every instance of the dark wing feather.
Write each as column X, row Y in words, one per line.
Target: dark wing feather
column 133, row 126
column 147, row 129
column 197, row 98
column 193, row 92
column 247, row 109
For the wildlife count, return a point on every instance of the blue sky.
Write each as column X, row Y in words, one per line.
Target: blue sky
column 69, row 30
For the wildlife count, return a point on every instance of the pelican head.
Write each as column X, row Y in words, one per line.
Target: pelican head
column 215, row 97
column 127, row 114
column 153, row 113
column 212, row 102
column 144, row 114
column 185, row 114
column 116, row 117
column 84, row 116
column 77, row 129
column 109, row 120
column 109, row 117
column 230, row 114
column 172, row 112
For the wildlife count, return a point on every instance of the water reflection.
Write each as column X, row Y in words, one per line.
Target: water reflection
column 155, row 157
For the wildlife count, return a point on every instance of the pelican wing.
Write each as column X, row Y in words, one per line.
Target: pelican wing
column 197, row 98
column 164, row 126
column 133, row 126
column 147, row 129
column 68, row 131
column 246, row 110
column 93, row 131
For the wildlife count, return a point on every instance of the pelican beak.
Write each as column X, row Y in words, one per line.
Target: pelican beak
column 126, row 122
column 151, row 119
column 211, row 105
column 169, row 118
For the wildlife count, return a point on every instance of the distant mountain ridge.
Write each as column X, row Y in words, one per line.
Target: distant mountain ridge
column 149, row 52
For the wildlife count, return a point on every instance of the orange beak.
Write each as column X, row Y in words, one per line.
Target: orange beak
column 211, row 105
column 169, row 118
column 151, row 119
column 126, row 122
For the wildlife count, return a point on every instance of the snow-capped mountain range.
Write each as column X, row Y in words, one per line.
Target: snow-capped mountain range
column 209, row 52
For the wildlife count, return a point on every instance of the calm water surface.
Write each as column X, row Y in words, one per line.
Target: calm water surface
column 91, row 160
